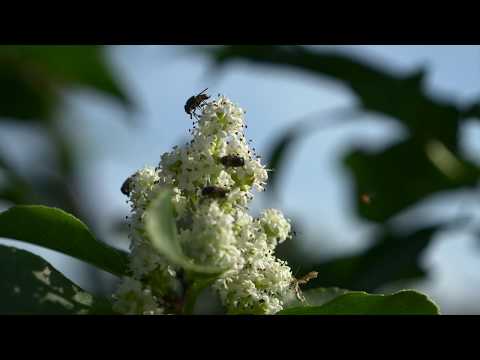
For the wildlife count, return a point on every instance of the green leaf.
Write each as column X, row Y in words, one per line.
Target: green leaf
column 13, row 192
column 30, row 285
column 404, row 174
column 23, row 95
column 31, row 78
column 14, row 188
column 57, row 230
column 471, row 111
column 406, row 302
column 161, row 229
column 392, row 257
column 69, row 64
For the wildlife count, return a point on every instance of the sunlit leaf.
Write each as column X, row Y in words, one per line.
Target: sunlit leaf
column 405, row 302
column 57, row 230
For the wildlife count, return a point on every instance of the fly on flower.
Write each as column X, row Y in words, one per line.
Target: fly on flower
column 195, row 102
column 232, row 161
column 127, row 184
column 210, row 210
column 214, row 192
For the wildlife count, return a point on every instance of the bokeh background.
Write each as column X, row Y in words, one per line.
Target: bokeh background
column 375, row 150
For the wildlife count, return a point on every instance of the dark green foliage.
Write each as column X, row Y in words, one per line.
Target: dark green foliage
column 404, row 174
column 30, row 285
column 392, row 257
column 32, row 77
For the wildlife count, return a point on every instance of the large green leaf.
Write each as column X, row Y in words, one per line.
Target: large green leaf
column 392, row 257
column 404, row 174
column 30, row 285
column 161, row 229
column 31, row 77
column 57, row 230
column 406, row 302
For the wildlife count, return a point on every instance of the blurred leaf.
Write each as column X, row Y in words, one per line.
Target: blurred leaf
column 24, row 95
column 392, row 257
column 471, row 111
column 13, row 192
column 57, row 230
column 13, row 188
column 405, row 173
column 79, row 64
column 64, row 151
column 278, row 155
column 30, row 285
column 54, row 191
column 31, row 77
column 161, row 229
column 406, row 302
column 401, row 97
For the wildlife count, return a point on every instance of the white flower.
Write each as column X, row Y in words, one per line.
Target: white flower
column 211, row 239
column 143, row 259
column 133, row 298
column 212, row 230
column 260, row 287
column 276, row 227
column 141, row 186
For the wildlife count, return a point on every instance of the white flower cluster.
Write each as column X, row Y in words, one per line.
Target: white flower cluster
column 212, row 177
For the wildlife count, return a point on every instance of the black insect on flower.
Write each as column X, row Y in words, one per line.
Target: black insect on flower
column 214, row 192
column 126, row 188
column 232, row 161
column 195, row 102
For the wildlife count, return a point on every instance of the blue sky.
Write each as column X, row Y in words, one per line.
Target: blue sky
column 315, row 187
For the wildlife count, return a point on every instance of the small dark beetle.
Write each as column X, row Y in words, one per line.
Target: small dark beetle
column 126, row 186
column 194, row 102
column 232, row 161
column 214, row 192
